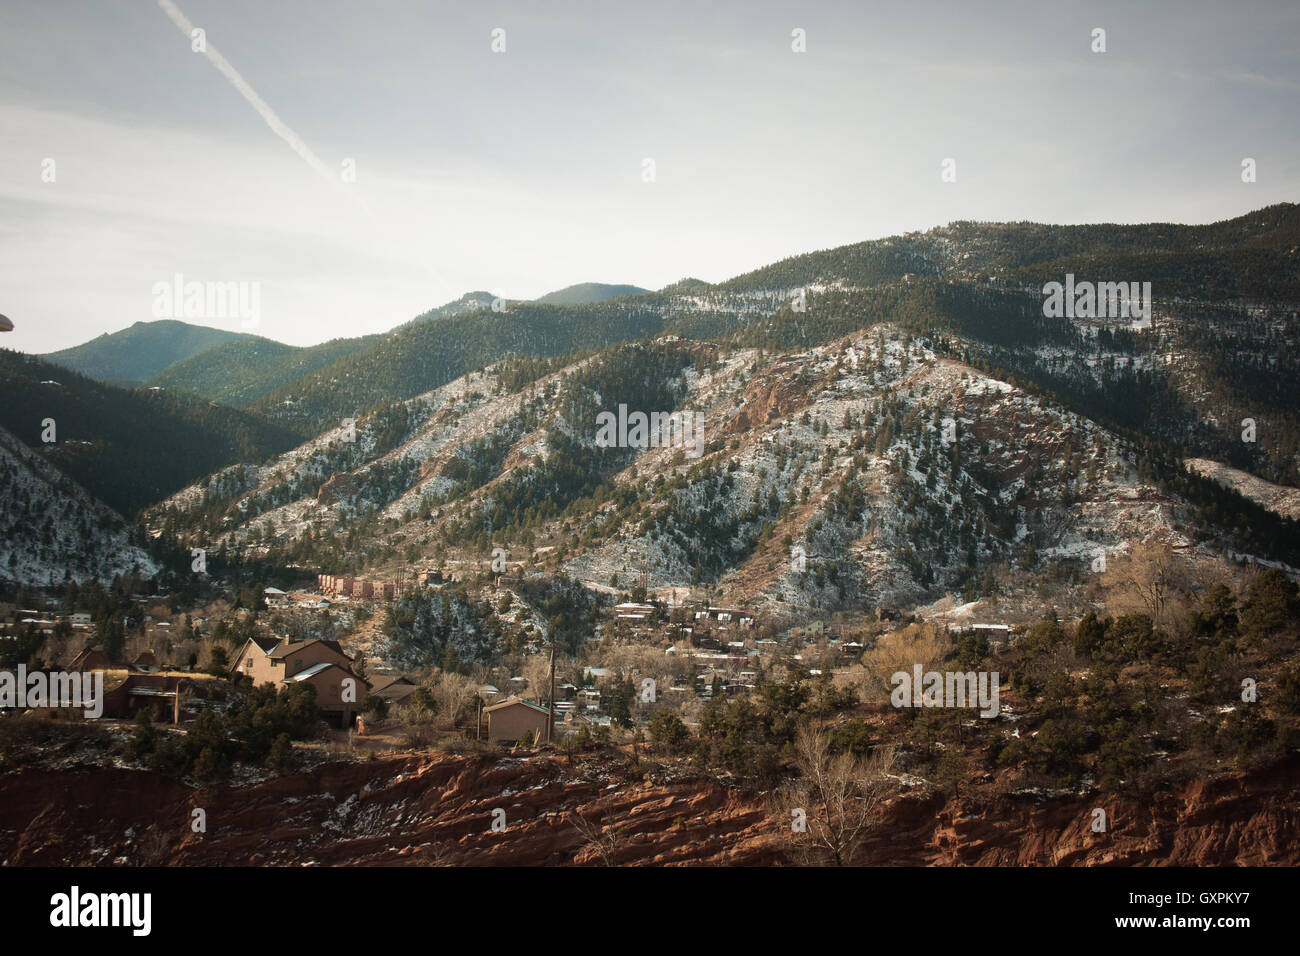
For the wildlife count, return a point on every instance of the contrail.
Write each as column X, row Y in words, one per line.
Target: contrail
column 277, row 125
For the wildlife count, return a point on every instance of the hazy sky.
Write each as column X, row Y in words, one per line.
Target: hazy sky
column 521, row 172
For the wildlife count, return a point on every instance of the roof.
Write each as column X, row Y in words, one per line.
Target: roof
column 395, row 692
column 267, row 644
column 384, row 681
column 515, row 702
column 284, row 650
column 313, row 670
column 273, row 591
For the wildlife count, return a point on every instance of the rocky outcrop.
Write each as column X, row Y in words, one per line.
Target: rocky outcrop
column 429, row 809
column 440, row 809
column 339, row 487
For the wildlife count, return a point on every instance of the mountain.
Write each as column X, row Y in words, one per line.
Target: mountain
column 1221, row 351
column 51, row 529
column 1252, row 258
column 469, row 302
column 246, row 369
column 1070, row 438
column 142, row 351
column 425, row 354
column 892, row 469
column 685, row 285
column 128, row 447
column 586, row 293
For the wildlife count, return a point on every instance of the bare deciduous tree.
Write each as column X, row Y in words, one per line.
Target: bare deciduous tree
column 600, row 838
column 452, row 692
column 840, row 796
column 1146, row 579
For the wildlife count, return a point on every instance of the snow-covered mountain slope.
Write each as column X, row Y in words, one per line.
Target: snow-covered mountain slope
column 52, row 529
column 870, row 470
column 1279, row 499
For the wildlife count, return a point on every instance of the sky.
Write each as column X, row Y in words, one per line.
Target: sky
column 525, row 170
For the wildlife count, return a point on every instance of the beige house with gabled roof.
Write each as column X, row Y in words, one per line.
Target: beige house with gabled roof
column 317, row 662
column 268, row 661
column 511, row 719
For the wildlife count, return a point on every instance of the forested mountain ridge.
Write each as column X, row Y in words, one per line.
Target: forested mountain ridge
column 586, row 293
column 896, row 472
column 138, row 353
column 128, row 447
column 1257, row 252
column 1188, row 384
column 242, row 371
column 52, row 530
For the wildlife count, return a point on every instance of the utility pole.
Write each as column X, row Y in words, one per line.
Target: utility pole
column 550, row 695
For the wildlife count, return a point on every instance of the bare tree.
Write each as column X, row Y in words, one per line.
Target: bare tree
column 840, row 796
column 598, row 837
column 1146, row 579
column 537, row 671
column 452, row 692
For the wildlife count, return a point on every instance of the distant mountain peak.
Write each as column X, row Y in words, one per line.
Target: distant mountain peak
column 586, row 293
column 142, row 350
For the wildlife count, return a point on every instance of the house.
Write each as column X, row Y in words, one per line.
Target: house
column 511, row 719
column 294, row 656
column 268, row 661
column 320, row 663
column 393, row 688
column 339, row 692
column 276, row 598
column 146, row 662
column 81, row 620
column 171, row 697
column 254, row 659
